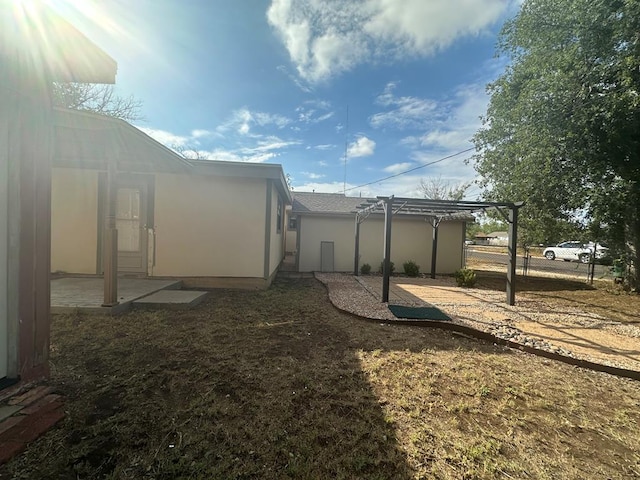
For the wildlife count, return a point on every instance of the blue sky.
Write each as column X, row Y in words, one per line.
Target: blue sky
column 394, row 84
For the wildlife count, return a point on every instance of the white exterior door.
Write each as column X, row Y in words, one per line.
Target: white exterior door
column 132, row 229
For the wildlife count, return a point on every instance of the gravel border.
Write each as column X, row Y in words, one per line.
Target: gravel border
column 353, row 295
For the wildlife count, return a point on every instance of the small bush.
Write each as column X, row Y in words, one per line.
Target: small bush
column 391, row 265
column 365, row 269
column 465, row 277
column 411, row 268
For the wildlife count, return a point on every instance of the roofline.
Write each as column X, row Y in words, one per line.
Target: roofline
column 118, row 122
column 379, row 215
column 268, row 171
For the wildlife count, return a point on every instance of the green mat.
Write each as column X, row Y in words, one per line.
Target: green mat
column 419, row 313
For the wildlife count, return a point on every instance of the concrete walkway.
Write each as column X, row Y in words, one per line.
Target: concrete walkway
column 69, row 294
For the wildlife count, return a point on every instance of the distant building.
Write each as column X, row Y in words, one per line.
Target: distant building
column 493, row 238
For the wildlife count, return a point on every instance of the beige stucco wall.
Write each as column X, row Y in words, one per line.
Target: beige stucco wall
column 411, row 240
column 74, row 220
column 208, row 226
column 291, row 240
column 276, row 245
column 314, row 230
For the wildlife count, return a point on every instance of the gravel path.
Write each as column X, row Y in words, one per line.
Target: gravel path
column 533, row 323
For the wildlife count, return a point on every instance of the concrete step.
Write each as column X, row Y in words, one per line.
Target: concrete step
column 286, row 274
column 171, row 299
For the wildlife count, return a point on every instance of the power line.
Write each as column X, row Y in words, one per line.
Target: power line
column 412, row 169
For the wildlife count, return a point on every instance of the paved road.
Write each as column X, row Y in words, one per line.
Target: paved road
column 538, row 263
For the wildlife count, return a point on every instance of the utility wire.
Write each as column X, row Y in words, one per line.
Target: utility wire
column 412, row 169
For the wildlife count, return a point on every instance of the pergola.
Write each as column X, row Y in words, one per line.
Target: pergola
column 435, row 211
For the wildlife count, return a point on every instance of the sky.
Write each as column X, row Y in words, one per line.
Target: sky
column 341, row 93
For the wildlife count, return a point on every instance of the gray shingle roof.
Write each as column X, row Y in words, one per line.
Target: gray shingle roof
column 305, row 202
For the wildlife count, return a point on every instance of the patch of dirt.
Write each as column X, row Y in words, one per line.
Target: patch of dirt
column 562, row 316
column 278, row 384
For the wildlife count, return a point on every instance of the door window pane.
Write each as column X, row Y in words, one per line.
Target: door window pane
column 128, row 219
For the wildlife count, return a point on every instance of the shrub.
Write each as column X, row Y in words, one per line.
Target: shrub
column 411, row 268
column 365, row 269
column 392, row 267
column 465, row 277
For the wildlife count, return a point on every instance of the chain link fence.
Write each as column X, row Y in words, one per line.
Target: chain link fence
column 530, row 262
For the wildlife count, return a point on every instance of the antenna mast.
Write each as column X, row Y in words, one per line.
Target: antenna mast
column 346, row 149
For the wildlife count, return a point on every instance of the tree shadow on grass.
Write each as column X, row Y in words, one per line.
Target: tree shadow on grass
column 279, row 384
column 249, row 385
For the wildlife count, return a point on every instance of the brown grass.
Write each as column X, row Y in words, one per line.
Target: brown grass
column 278, row 384
column 602, row 298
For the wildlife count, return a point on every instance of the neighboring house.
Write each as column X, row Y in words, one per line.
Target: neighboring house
column 326, row 236
column 493, row 238
column 209, row 223
column 37, row 47
column 499, row 238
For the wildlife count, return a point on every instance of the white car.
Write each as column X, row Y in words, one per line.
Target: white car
column 574, row 250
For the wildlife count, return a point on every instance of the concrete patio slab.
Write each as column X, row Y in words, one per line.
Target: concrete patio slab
column 86, row 294
column 171, row 299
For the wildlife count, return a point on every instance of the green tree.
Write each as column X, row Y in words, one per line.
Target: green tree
column 562, row 129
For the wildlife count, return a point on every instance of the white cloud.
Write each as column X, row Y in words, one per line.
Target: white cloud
column 462, row 120
column 424, row 27
column 167, row 138
column 325, row 146
column 236, row 156
column 201, row 133
column 243, row 120
column 310, row 115
column 255, row 148
column 445, row 126
column 313, row 176
column 398, row 167
column 268, row 144
column 327, row 37
column 362, row 147
column 405, row 112
column 314, row 111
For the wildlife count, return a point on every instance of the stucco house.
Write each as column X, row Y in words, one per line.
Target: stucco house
column 209, row 223
column 325, row 236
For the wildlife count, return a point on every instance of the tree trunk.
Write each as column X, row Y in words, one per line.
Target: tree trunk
column 633, row 243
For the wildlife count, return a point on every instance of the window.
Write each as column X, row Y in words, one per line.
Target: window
column 279, row 216
column 293, row 223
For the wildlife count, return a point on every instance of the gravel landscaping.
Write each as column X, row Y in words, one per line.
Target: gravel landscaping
column 532, row 322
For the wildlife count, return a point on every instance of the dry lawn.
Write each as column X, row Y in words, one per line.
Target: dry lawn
column 279, row 384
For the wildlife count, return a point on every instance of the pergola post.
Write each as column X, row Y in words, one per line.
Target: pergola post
column 356, row 260
column 110, row 249
column 437, row 211
column 512, row 251
column 434, row 245
column 386, row 270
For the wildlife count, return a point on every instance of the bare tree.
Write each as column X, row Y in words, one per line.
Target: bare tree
column 190, row 152
column 97, row 98
column 435, row 188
